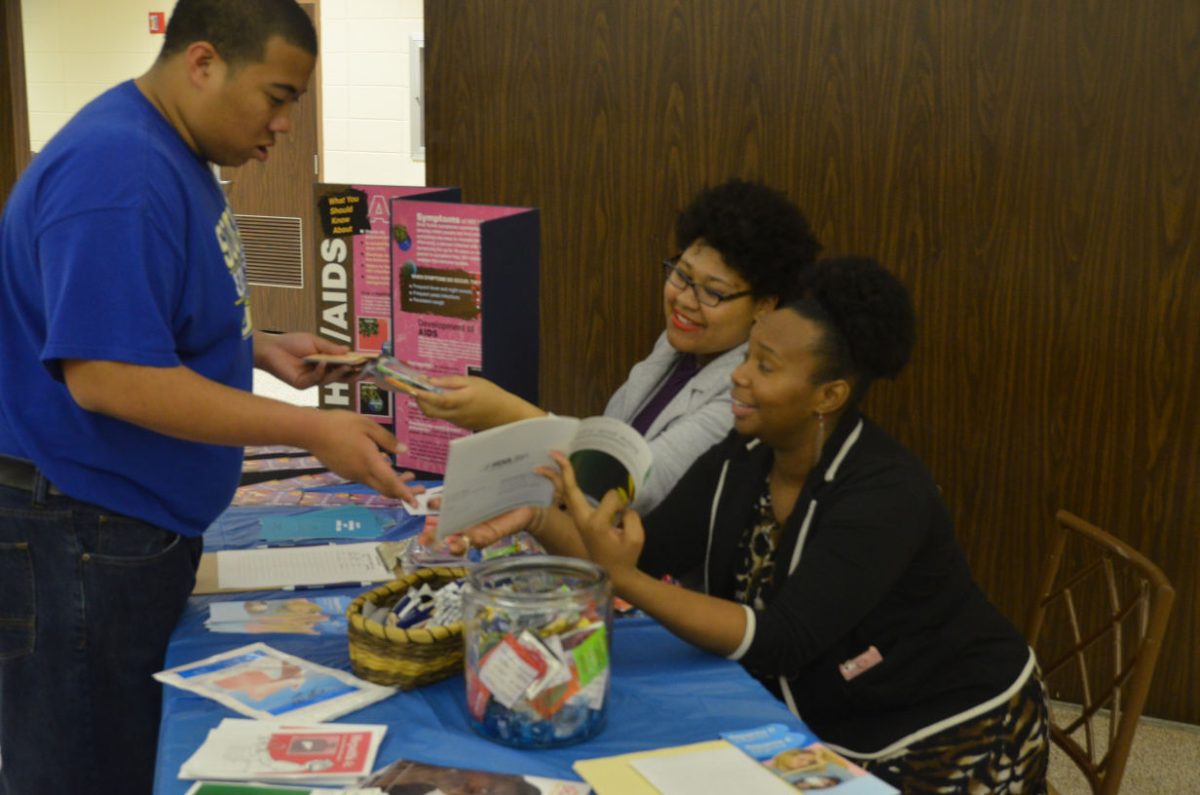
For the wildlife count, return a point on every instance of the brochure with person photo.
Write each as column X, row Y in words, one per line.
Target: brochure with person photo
column 805, row 764
column 815, row 767
column 405, row 777
column 297, row 615
column 265, row 683
column 492, row 472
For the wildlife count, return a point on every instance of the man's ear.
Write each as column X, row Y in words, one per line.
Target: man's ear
column 203, row 63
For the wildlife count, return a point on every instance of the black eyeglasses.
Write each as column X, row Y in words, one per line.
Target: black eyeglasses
column 705, row 295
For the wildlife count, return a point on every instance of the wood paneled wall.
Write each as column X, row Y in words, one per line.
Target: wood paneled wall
column 1031, row 169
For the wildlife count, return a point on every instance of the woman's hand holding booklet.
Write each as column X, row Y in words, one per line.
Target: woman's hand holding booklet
column 489, row 474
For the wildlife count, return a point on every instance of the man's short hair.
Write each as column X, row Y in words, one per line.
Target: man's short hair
column 239, row 29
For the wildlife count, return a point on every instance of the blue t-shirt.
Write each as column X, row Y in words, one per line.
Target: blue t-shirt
column 117, row 244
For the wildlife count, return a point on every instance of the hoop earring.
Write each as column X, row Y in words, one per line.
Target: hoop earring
column 820, row 437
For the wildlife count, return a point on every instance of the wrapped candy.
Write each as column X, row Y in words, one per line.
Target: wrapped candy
column 537, row 633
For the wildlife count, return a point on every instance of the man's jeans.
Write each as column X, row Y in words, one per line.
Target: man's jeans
column 88, row 601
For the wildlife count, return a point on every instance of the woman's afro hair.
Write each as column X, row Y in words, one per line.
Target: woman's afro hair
column 758, row 231
column 868, row 309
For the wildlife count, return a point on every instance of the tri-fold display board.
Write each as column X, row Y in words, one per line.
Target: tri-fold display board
column 449, row 288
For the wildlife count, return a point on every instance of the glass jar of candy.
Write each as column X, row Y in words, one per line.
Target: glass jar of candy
column 537, row 631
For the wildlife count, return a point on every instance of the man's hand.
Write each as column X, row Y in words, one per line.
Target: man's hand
column 282, row 355
column 178, row 402
column 474, row 403
column 354, row 447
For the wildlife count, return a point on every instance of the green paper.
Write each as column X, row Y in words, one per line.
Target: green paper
column 591, row 656
column 225, row 788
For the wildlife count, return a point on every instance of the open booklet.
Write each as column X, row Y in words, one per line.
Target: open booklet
column 491, row 472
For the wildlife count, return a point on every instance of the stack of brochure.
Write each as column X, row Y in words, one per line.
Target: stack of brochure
column 331, row 754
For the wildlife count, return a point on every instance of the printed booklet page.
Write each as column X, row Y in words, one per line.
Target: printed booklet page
column 491, row 473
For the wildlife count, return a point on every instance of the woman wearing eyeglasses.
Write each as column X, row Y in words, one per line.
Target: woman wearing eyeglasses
column 743, row 245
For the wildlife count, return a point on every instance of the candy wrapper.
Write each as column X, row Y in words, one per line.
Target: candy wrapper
column 537, row 648
column 418, row 555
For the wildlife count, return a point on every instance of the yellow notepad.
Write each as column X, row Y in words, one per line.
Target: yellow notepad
column 613, row 775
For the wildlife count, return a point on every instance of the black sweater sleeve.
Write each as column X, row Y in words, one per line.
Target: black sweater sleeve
column 677, row 530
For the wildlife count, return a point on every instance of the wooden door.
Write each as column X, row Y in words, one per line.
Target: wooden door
column 273, row 204
column 14, row 116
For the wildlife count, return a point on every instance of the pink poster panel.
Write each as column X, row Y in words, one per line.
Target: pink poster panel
column 361, row 216
column 373, row 290
column 436, row 267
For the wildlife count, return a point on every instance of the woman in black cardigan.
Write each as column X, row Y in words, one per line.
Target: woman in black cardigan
column 830, row 567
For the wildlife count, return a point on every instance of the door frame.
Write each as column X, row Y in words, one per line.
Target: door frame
column 14, row 105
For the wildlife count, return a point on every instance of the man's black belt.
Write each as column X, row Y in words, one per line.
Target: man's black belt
column 17, row 473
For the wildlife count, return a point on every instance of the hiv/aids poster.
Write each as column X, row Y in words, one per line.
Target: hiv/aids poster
column 464, row 288
column 354, row 299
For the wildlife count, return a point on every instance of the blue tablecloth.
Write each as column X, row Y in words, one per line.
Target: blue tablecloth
column 664, row 692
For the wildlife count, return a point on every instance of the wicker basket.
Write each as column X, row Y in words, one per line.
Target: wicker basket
column 404, row 658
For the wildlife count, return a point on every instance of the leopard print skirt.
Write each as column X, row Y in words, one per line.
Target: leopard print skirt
column 1004, row 751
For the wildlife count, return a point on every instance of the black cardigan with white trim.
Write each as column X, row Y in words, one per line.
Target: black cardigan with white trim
column 870, row 559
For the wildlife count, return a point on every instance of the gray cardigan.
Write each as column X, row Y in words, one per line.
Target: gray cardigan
column 697, row 418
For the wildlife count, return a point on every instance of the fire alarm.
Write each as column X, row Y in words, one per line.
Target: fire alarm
column 158, row 21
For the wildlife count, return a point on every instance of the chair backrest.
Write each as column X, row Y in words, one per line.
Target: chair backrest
column 1097, row 627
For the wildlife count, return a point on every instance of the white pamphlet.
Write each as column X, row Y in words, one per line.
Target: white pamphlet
column 300, row 567
column 490, row 473
column 711, row 771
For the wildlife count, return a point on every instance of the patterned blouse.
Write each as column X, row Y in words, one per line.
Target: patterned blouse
column 755, row 573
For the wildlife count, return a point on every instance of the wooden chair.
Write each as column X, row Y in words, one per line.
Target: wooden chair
column 1097, row 627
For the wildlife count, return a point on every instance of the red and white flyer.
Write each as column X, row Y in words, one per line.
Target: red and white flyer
column 328, row 753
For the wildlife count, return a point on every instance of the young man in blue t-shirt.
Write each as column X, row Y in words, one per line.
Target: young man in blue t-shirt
column 128, row 345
